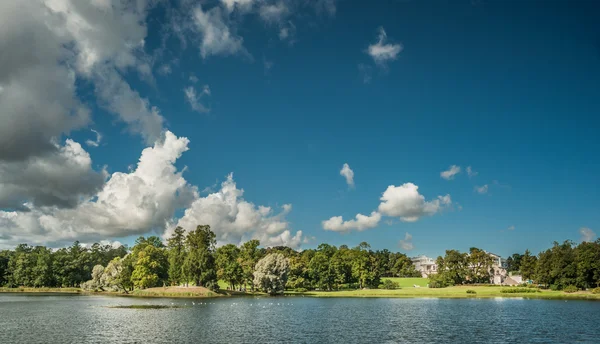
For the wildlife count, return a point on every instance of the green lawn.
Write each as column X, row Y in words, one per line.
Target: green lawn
column 408, row 282
column 451, row 292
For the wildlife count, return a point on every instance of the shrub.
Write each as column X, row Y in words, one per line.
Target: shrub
column 440, row 281
column 519, row 290
column 531, row 286
column 596, row 290
column 554, row 287
column 571, row 289
column 471, row 291
column 389, row 284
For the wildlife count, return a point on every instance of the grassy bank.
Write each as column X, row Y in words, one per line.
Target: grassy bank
column 188, row 292
column 40, row 290
column 451, row 292
column 171, row 292
column 408, row 291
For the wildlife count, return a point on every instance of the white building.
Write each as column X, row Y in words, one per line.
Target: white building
column 425, row 265
column 498, row 269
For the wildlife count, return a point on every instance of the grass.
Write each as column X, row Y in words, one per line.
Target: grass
column 175, row 292
column 451, row 292
column 408, row 282
column 39, row 290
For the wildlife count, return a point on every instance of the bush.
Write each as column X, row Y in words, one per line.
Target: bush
column 519, row 290
column 471, row 291
column 531, row 286
column 596, row 291
column 436, row 284
column 554, row 287
column 440, row 281
column 571, row 289
column 389, row 284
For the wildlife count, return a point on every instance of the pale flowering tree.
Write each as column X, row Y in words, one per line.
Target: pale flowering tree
column 96, row 283
column 271, row 273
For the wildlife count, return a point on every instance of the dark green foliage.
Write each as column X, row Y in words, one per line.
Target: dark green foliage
column 4, row 259
column 199, row 264
column 389, row 284
column 39, row 266
column 229, row 268
column 453, row 269
column 471, row 291
column 176, row 253
column 528, row 265
column 513, row 263
column 479, row 266
column 440, row 280
column 249, row 255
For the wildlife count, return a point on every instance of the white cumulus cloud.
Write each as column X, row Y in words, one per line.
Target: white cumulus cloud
column 362, row 222
column 405, row 202
column 138, row 202
column 235, row 220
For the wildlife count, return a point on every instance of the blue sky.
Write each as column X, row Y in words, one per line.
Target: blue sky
column 509, row 89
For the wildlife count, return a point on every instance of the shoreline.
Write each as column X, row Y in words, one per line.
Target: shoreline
column 481, row 292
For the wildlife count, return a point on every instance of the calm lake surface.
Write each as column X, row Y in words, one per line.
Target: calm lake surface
column 86, row 319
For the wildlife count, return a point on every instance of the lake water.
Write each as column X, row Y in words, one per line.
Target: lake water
column 46, row 318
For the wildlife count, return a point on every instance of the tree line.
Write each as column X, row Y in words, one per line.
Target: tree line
column 563, row 265
column 192, row 258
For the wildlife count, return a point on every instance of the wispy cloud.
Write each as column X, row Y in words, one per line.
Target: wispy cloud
column 165, row 69
column 347, row 173
column 95, row 143
column 587, row 235
column 383, row 52
column 406, row 243
column 451, row 172
column 470, row 172
column 194, row 98
column 482, row 190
